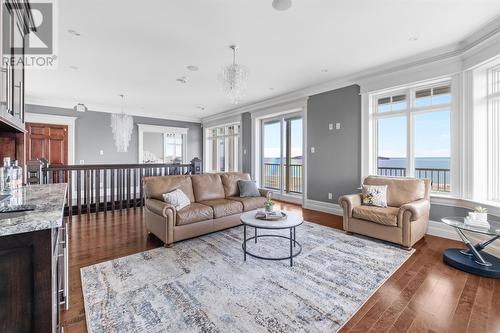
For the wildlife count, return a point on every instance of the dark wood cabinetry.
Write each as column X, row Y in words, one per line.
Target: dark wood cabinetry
column 16, row 20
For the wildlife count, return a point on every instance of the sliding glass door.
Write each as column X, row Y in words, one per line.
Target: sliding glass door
column 282, row 154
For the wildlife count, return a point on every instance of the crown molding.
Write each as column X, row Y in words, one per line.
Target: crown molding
column 452, row 56
column 96, row 108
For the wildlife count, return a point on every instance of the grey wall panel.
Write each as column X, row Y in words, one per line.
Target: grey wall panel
column 335, row 167
column 93, row 133
column 246, row 136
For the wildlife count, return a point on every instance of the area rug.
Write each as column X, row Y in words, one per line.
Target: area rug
column 203, row 284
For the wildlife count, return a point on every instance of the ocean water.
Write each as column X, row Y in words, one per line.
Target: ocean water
column 420, row 162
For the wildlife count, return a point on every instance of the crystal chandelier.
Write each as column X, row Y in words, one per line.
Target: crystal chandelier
column 233, row 78
column 122, row 125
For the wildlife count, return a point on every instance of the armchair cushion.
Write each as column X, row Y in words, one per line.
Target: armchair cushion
column 386, row 216
column 195, row 212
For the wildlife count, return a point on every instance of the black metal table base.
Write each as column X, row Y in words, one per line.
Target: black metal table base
column 293, row 245
column 467, row 263
column 473, row 260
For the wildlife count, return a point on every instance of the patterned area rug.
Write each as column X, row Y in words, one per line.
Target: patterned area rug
column 203, row 284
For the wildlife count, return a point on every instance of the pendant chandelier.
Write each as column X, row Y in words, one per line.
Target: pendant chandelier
column 122, row 125
column 233, row 79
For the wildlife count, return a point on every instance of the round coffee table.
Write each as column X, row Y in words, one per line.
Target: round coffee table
column 473, row 260
column 291, row 222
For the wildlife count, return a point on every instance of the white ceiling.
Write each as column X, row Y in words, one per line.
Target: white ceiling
column 140, row 48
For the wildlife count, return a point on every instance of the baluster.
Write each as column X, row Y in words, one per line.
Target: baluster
column 112, row 189
column 70, row 195
column 88, row 190
column 135, row 187
column 105, row 189
column 128, row 188
column 97, row 190
column 438, row 183
column 141, row 188
column 79, row 192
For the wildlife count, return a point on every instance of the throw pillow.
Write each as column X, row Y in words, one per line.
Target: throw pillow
column 176, row 198
column 248, row 188
column 375, row 195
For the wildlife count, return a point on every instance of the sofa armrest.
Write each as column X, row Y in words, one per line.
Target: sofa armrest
column 161, row 208
column 415, row 210
column 266, row 193
column 348, row 202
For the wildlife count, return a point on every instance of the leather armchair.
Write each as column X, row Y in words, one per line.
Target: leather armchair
column 403, row 222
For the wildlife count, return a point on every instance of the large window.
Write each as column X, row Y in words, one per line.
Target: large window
column 493, row 124
column 222, row 148
column 412, row 133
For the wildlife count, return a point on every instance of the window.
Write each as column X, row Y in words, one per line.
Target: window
column 412, row 133
column 222, row 148
column 173, row 148
column 493, row 141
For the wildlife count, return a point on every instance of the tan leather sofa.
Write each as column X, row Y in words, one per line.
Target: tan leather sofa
column 405, row 219
column 215, row 205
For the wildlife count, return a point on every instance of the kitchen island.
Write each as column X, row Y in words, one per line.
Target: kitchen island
column 33, row 260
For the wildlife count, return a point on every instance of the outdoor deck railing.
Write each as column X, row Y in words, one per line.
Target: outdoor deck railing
column 440, row 178
column 102, row 187
column 272, row 174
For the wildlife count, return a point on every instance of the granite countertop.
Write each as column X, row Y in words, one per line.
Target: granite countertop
column 49, row 201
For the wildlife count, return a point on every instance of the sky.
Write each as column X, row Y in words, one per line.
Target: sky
column 272, row 139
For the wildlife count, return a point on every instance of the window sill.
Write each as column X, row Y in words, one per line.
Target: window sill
column 448, row 200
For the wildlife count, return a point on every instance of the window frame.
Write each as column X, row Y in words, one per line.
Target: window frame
column 410, row 113
column 208, row 138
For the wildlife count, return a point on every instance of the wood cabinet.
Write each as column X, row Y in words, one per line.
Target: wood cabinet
column 15, row 21
column 32, row 271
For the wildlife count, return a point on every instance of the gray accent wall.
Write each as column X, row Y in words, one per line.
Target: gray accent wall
column 93, row 133
column 246, row 137
column 335, row 167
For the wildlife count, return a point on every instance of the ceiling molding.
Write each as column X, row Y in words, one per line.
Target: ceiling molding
column 94, row 108
column 450, row 53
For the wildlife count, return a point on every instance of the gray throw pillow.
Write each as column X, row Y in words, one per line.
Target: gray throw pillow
column 248, row 188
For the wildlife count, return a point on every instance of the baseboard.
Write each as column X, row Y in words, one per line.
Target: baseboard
column 325, row 207
column 440, row 229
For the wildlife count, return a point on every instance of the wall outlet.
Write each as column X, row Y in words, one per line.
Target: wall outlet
column 330, row 196
column 82, row 161
column 313, row 150
column 101, row 152
column 244, row 151
column 330, row 127
column 337, row 126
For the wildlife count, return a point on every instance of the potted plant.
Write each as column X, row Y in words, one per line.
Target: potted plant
column 269, row 205
column 480, row 213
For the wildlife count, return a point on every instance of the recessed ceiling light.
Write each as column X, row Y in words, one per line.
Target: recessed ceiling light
column 282, row 4
column 271, row 88
column 183, row 79
column 73, row 67
column 324, row 70
column 74, row 32
column 192, row 68
column 413, row 38
column 202, row 108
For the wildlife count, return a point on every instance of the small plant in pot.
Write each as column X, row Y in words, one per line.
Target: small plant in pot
column 480, row 213
column 269, row 205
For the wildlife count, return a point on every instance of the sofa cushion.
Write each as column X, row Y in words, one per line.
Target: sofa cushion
column 176, row 198
column 224, row 207
column 386, row 216
column 230, row 182
column 250, row 203
column 195, row 212
column 248, row 188
column 207, row 187
column 155, row 187
column 400, row 191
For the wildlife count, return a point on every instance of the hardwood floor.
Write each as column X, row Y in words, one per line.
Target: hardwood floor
column 424, row 295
